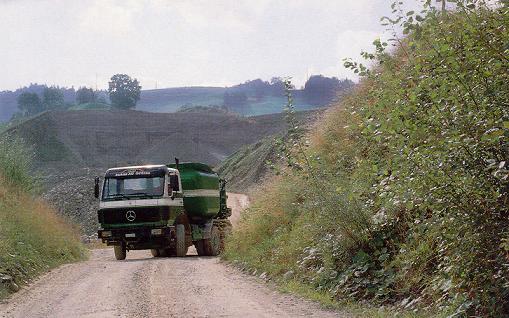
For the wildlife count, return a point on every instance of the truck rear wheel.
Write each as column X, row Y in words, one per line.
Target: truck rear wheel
column 181, row 249
column 155, row 252
column 212, row 246
column 120, row 252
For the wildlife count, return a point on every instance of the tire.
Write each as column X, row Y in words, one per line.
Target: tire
column 155, row 252
column 212, row 246
column 181, row 249
column 120, row 252
column 199, row 248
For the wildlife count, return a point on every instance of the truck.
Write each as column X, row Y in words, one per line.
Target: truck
column 164, row 208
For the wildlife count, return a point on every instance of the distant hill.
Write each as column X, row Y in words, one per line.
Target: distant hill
column 251, row 98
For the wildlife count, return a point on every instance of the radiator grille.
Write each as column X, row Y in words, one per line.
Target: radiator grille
column 141, row 214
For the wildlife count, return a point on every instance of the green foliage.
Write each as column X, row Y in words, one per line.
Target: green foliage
column 85, row 95
column 124, row 91
column 15, row 159
column 202, row 109
column 29, row 103
column 53, row 98
column 32, row 238
column 402, row 196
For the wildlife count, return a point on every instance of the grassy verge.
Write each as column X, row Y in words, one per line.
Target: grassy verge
column 33, row 239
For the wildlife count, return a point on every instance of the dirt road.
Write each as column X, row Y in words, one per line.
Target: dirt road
column 143, row 286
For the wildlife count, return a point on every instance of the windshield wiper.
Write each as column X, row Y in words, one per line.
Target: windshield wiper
column 118, row 195
column 143, row 194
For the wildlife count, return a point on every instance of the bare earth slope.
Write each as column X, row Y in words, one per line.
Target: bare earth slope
column 96, row 138
column 143, row 286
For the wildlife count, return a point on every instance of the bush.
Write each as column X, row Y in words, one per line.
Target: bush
column 406, row 190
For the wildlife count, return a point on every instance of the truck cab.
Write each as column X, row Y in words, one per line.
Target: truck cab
column 144, row 207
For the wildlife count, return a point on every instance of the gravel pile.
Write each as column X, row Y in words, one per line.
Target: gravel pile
column 72, row 195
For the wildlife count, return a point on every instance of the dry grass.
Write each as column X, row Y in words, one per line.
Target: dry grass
column 33, row 237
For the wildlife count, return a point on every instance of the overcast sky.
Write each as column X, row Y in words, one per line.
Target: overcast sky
column 181, row 43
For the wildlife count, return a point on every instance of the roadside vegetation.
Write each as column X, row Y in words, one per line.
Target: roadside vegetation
column 399, row 198
column 33, row 239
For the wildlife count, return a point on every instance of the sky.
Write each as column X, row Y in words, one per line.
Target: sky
column 173, row 43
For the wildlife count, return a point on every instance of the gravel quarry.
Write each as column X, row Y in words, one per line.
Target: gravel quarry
column 143, row 286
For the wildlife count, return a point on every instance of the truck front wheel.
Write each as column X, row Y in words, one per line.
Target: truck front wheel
column 120, row 252
column 181, row 249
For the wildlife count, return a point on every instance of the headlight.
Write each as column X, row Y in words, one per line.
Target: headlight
column 105, row 233
column 157, row 231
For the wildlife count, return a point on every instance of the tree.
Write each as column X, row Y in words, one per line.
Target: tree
column 53, row 98
column 29, row 103
column 277, row 86
column 85, row 95
column 124, row 91
column 321, row 90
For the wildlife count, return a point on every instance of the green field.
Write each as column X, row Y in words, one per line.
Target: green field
column 90, row 106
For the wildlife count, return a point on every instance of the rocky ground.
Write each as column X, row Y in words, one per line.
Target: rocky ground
column 72, row 194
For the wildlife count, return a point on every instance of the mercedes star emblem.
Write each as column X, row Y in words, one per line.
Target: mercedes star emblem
column 130, row 215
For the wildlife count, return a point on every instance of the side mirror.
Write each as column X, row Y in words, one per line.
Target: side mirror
column 96, row 187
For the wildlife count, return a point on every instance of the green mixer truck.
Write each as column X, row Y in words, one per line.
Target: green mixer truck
column 164, row 208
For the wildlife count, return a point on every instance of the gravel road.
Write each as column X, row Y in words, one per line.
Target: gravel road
column 143, row 286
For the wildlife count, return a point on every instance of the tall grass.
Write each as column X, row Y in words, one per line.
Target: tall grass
column 33, row 239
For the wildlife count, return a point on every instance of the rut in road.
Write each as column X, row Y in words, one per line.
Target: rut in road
column 143, row 286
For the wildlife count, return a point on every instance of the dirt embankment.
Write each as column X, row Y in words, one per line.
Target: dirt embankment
column 93, row 138
column 143, row 286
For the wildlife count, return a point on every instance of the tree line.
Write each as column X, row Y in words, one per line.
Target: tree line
column 318, row 90
column 123, row 92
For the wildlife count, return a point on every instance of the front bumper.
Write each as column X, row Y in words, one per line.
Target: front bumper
column 138, row 238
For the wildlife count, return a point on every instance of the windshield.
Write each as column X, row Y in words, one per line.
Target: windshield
column 127, row 188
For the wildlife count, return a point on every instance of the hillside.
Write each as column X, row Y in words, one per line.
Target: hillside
column 399, row 197
column 249, row 165
column 91, row 138
column 253, row 164
column 33, row 238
